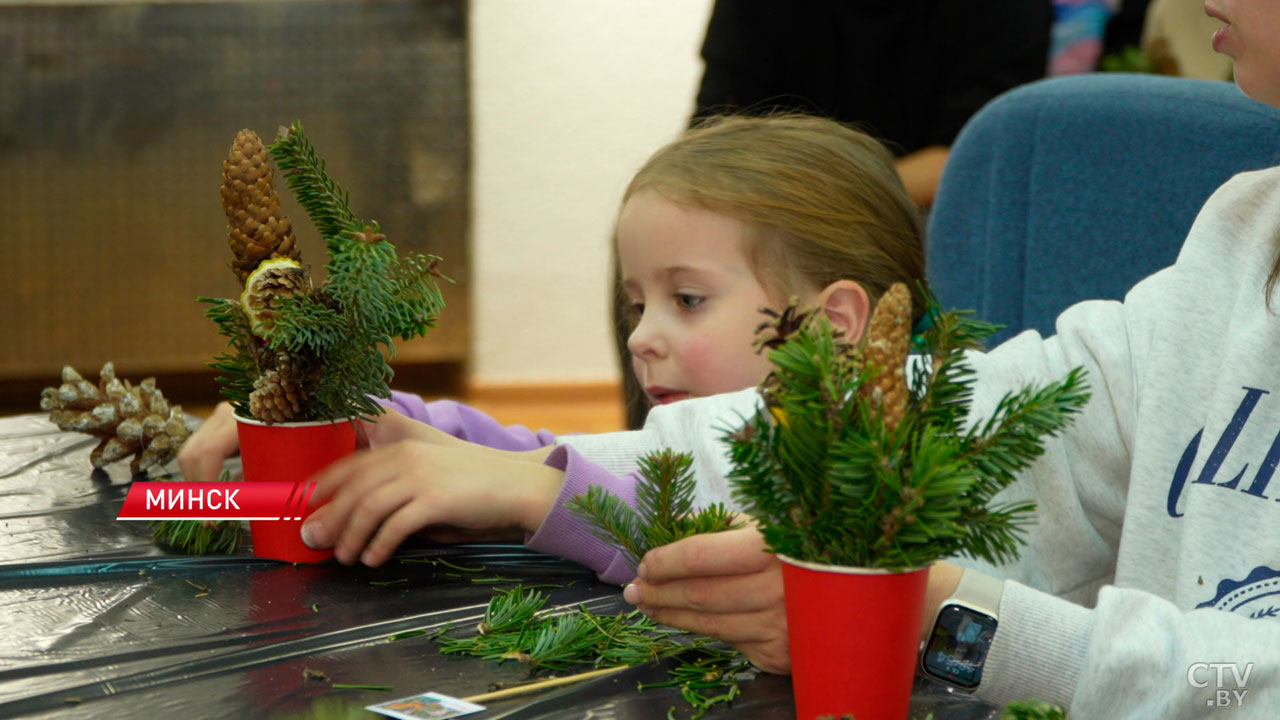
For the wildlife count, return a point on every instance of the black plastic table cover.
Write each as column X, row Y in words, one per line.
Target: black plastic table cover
column 96, row 621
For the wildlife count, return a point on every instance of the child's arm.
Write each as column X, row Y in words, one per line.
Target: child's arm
column 416, row 478
column 566, row 535
column 203, row 454
column 467, row 423
column 413, row 477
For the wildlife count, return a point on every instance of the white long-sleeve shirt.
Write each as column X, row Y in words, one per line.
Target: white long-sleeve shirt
column 1150, row 584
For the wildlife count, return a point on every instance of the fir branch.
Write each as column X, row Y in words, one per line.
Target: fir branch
column 198, row 537
column 942, row 380
column 518, row 627
column 663, row 512
column 238, row 363
column 354, row 374
column 1032, row 710
column 325, row 202
column 304, row 323
column 611, row 520
column 510, row 610
column 666, row 497
column 557, row 645
column 1012, row 437
column 416, row 299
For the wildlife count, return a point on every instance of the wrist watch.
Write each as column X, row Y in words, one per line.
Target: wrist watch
column 962, row 631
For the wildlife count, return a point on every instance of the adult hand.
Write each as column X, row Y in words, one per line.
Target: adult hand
column 723, row 585
column 412, row 477
column 202, row 455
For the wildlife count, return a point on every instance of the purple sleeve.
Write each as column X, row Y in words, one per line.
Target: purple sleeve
column 468, row 423
column 563, row 534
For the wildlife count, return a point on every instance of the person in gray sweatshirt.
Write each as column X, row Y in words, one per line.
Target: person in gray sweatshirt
column 1150, row 585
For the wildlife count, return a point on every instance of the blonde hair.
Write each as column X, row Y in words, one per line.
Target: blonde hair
column 823, row 200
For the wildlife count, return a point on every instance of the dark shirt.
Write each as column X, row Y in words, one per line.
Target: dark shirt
column 910, row 72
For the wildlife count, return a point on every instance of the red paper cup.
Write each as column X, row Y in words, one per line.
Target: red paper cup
column 854, row 635
column 290, row 452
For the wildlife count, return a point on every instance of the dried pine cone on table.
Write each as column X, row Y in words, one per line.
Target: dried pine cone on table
column 131, row 419
column 888, row 342
column 258, row 230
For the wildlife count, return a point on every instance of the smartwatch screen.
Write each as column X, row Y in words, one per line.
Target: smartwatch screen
column 958, row 646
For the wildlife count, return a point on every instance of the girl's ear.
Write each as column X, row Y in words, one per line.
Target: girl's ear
column 848, row 307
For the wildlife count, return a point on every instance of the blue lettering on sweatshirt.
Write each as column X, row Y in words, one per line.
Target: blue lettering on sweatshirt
column 1219, row 455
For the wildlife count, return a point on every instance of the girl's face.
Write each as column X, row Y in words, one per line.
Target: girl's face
column 693, row 297
column 1251, row 39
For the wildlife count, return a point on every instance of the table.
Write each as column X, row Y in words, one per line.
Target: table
column 96, row 621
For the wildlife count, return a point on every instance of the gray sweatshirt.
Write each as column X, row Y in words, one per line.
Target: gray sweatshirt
column 1150, row 584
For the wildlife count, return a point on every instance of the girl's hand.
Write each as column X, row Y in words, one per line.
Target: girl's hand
column 412, row 477
column 202, row 455
column 721, row 584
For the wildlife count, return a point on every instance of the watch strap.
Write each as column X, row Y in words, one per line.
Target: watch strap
column 979, row 591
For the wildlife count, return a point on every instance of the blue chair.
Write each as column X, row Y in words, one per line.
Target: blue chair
column 1077, row 187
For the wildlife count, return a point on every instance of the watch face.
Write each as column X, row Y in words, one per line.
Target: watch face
column 958, row 646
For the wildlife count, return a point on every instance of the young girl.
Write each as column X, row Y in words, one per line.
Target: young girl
column 1149, row 585
column 736, row 215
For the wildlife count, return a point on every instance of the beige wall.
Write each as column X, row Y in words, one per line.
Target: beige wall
column 568, row 99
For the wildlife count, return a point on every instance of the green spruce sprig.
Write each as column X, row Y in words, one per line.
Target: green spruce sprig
column 518, row 627
column 199, row 537
column 664, row 508
column 237, row 365
column 1032, row 710
column 830, row 481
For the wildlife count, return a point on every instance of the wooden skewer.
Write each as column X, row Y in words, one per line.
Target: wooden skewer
column 544, row 685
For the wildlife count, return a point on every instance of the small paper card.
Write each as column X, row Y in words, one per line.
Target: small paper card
column 425, row 706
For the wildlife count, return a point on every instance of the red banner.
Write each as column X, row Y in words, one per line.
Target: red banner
column 157, row 500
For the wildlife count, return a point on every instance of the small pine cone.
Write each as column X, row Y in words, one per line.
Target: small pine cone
column 888, row 341
column 277, row 398
column 272, row 281
column 131, row 420
column 257, row 229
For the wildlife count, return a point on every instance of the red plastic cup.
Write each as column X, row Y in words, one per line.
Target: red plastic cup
column 854, row 635
column 290, row 452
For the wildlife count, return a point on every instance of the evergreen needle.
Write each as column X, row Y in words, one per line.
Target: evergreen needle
column 346, row 686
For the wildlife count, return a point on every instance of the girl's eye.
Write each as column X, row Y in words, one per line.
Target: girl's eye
column 634, row 311
column 687, row 301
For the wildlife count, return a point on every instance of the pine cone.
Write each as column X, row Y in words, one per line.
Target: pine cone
column 257, row 230
column 281, row 393
column 888, row 341
column 273, row 280
column 131, row 420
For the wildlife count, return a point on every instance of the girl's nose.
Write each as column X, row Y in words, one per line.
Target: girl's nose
column 646, row 341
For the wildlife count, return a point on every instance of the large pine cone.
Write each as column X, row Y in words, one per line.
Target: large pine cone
column 257, row 230
column 131, row 420
column 888, row 342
